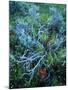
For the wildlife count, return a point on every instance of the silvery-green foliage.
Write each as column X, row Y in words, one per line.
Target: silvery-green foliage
column 56, row 24
column 33, row 11
column 22, row 29
column 41, row 30
column 21, row 25
column 56, row 19
column 17, row 7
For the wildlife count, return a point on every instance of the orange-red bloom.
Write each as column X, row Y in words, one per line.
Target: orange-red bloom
column 42, row 72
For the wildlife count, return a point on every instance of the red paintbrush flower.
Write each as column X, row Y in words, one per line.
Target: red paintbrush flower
column 42, row 73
